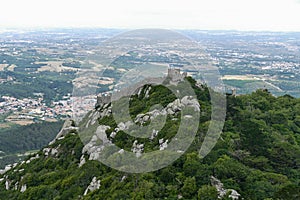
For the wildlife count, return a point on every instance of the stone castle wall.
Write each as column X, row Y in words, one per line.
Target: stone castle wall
column 175, row 75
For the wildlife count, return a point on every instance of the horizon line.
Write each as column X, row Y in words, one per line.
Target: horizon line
column 9, row 28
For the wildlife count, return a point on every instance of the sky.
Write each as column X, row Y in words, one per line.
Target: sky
column 255, row 15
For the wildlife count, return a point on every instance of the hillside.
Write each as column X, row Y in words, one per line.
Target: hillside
column 16, row 141
column 256, row 157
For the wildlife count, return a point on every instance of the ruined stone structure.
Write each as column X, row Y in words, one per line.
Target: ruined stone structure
column 174, row 75
column 103, row 99
column 232, row 92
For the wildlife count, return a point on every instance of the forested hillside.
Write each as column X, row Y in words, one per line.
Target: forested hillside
column 17, row 140
column 257, row 155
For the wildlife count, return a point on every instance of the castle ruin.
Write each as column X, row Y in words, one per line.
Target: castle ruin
column 174, row 76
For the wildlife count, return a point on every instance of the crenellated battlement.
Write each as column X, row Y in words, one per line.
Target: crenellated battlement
column 175, row 75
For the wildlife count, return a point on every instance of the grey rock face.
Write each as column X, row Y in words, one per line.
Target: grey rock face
column 163, row 145
column 222, row 191
column 124, row 126
column 100, row 132
column 137, row 148
column 7, row 184
column 82, row 161
column 93, row 148
column 23, row 188
column 154, row 134
column 113, row 134
column 67, row 127
column 51, row 151
column 94, row 185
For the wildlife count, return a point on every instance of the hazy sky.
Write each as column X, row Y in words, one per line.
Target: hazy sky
column 282, row 15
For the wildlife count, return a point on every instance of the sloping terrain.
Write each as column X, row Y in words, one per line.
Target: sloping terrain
column 256, row 157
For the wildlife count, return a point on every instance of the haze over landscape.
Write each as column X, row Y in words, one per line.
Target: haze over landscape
column 255, row 15
column 161, row 99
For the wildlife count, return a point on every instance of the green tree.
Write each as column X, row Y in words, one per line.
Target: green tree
column 189, row 188
column 207, row 192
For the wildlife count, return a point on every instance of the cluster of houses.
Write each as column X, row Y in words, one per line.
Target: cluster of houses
column 30, row 110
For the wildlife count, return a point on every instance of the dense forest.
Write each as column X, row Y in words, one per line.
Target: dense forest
column 257, row 155
column 19, row 139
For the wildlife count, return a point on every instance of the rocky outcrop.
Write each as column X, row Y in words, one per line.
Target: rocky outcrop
column 154, row 134
column 93, row 148
column 163, row 145
column 171, row 109
column 8, row 167
column 67, row 127
column 51, row 151
column 234, row 194
column 147, row 92
column 23, row 188
column 222, row 191
column 94, row 185
column 30, row 159
column 137, row 148
column 142, row 118
column 7, row 184
column 82, row 161
column 124, row 126
column 98, row 113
